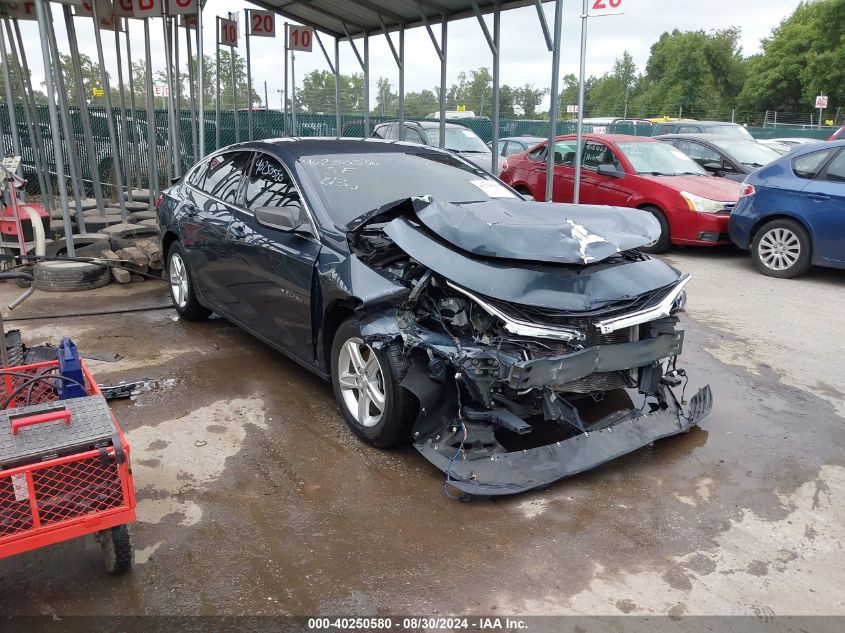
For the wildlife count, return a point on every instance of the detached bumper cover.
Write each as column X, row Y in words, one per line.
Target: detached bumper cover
column 519, row 471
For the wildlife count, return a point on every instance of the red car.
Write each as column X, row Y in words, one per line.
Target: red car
column 838, row 135
column 634, row 171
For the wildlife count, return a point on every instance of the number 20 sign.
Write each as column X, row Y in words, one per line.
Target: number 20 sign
column 606, row 7
column 261, row 23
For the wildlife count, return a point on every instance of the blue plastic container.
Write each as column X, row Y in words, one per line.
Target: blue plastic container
column 70, row 367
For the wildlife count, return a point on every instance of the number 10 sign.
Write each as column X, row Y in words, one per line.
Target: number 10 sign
column 606, row 7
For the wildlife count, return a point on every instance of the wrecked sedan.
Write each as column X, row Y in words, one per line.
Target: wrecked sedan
column 494, row 332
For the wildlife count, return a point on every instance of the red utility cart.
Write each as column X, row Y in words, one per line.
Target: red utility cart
column 64, row 464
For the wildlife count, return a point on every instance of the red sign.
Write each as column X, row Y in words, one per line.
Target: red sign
column 821, row 102
column 300, row 38
column 182, row 7
column 227, row 32
column 188, row 21
column 19, row 10
column 124, row 8
column 606, row 7
column 261, row 23
column 87, row 8
column 148, row 8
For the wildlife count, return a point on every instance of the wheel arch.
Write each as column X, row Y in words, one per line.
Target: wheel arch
column 167, row 240
column 335, row 313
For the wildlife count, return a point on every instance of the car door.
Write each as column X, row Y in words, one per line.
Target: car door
column 212, row 191
column 564, row 172
column 599, row 189
column 823, row 203
column 272, row 269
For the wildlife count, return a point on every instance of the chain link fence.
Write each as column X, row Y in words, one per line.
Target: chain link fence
column 134, row 151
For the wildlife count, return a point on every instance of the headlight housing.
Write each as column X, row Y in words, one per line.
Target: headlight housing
column 702, row 205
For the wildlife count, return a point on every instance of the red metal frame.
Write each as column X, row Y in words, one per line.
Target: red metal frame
column 48, row 519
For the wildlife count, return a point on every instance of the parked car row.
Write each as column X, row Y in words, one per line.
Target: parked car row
column 671, row 176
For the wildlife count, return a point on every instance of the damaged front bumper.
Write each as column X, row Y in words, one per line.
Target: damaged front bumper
column 519, row 471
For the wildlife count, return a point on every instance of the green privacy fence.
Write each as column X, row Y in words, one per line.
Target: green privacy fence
column 134, row 151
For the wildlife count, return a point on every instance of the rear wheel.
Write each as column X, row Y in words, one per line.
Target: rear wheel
column 182, row 290
column 662, row 243
column 367, row 387
column 781, row 249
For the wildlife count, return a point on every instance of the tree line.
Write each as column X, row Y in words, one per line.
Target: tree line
column 701, row 74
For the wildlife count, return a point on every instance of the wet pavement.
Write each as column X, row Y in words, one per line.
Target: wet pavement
column 254, row 498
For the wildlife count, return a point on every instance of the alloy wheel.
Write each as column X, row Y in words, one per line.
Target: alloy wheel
column 779, row 249
column 361, row 382
column 178, row 280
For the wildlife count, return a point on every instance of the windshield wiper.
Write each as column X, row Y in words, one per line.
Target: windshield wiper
column 471, row 151
column 753, row 164
column 654, row 173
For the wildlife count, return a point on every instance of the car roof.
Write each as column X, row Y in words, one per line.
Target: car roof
column 613, row 138
column 424, row 124
column 800, row 150
column 712, row 138
column 524, row 139
column 309, row 145
column 700, row 123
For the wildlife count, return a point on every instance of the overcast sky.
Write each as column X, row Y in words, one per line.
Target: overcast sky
column 524, row 56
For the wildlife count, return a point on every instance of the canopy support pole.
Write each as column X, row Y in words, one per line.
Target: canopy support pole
column 553, row 104
column 43, row 30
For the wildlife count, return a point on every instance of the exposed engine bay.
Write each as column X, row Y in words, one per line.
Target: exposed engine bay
column 530, row 361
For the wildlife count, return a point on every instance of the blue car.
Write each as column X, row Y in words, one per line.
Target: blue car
column 792, row 212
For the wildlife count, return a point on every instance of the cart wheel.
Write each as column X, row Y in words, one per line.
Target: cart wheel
column 116, row 547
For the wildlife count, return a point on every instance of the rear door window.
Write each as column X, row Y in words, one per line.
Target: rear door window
column 687, row 129
column 220, row 176
column 810, row 165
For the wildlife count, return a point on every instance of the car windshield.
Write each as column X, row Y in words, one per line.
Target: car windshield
column 659, row 159
column 737, row 131
column 747, row 152
column 458, row 139
column 353, row 184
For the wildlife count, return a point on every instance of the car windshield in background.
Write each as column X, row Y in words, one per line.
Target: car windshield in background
column 747, row 152
column 658, row 159
column 457, row 139
column 737, row 131
column 352, row 184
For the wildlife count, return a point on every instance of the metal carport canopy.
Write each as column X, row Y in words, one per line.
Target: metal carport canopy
column 340, row 18
column 359, row 19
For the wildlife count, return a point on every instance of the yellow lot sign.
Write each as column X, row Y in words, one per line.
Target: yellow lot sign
column 98, row 92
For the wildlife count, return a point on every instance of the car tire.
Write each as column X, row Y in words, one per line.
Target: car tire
column 384, row 368
column 183, row 292
column 796, row 255
column 69, row 276
column 662, row 244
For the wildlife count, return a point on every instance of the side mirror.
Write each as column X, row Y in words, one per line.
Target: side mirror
column 289, row 218
column 611, row 171
column 712, row 166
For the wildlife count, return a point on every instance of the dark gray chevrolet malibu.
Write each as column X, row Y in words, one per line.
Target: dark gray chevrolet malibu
column 514, row 343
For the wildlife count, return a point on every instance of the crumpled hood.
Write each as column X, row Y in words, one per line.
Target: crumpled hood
column 509, row 228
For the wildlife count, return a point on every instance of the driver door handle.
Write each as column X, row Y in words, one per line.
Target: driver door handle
column 818, row 197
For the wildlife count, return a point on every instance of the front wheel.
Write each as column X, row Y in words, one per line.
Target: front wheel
column 781, row 249
column 182, row 290
column 367, row 387
column 662, row 243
